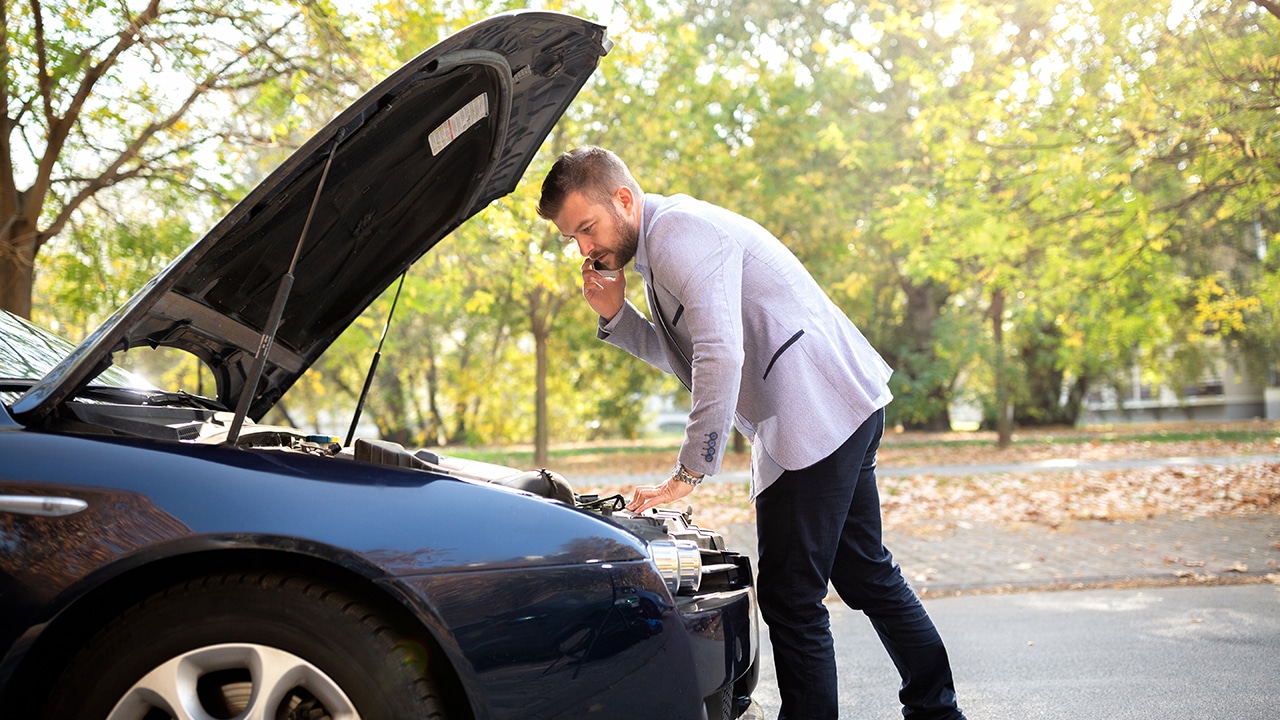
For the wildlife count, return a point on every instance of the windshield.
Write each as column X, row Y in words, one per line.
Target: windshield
column 28, row 353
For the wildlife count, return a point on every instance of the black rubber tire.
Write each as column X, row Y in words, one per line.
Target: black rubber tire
column 382, row 671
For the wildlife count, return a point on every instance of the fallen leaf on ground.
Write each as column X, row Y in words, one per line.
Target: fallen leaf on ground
column 1043, row 498
column 1051, row 498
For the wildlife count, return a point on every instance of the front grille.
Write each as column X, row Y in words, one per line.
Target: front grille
column 721, row 705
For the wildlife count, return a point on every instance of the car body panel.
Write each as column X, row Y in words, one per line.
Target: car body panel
column 522, row 592
column 526, row 635
column 146, row 494
column 152, row 501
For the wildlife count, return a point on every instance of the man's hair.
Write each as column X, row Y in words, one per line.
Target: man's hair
column 593, row 171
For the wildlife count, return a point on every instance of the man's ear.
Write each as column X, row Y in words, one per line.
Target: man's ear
column 625, row 198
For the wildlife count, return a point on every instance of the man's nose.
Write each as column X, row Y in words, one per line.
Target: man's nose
column 585, row 247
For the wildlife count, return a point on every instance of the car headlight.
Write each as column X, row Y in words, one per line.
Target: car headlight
column 679, row 562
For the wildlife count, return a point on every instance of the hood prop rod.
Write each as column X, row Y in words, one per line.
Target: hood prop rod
column 373, row 365
column 277, row 311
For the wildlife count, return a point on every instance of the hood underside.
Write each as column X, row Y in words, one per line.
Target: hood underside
column 426, row 149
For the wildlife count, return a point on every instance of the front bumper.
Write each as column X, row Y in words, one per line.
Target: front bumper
column 725, row 645
column 594, row 641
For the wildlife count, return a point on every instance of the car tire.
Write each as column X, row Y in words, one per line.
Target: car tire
column 276, row 646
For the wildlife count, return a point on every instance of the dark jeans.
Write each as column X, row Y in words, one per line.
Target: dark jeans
column 822, row 524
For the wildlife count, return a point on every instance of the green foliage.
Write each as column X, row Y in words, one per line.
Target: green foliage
column 1017, row 201
column 99, row 262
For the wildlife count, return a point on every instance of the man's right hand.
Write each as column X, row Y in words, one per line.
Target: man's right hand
column 605, row 295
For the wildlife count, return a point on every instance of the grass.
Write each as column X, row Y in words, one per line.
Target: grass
column 657, row 454
column 522, row 457
column 1045, row 497
column 1073, row 436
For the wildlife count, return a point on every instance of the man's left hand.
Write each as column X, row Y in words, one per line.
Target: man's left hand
column 647, row 496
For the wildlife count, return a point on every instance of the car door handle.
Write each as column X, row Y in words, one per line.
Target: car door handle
column 42, row 505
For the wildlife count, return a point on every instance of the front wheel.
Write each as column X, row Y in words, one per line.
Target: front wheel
column 254, row 646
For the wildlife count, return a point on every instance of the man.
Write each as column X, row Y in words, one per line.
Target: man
column 746, row 328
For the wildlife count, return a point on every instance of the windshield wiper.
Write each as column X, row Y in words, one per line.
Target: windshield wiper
column 155, row 398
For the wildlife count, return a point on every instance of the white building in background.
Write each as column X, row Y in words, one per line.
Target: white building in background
column 1227, row 393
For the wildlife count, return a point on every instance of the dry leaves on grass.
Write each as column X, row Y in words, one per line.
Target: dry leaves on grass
column 1057, row 497
column 905, row 449
column 902, row 454
column 1046, row 498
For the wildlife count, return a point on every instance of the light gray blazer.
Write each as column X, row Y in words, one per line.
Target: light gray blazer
column 747, row 329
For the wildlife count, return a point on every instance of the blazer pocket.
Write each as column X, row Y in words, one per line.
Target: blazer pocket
column 777, row 354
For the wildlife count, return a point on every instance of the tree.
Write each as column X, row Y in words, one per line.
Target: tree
column 1017, row 200
column 1174, row 159
column 99, row 94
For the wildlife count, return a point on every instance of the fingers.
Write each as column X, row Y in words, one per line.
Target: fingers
column 643, row 498
column 605, row 295
column 650, row 496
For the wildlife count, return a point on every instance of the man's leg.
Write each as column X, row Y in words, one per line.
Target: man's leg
column 799, row 520
column 867, row 579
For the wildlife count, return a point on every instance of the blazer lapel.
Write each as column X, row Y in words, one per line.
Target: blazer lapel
column 680, row 363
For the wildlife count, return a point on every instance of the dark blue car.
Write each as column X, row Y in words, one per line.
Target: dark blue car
column 163, row 555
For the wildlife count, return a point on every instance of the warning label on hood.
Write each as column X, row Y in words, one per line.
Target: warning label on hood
column 470, row 114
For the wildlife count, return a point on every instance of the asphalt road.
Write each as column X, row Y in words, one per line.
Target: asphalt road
column 1202, row 653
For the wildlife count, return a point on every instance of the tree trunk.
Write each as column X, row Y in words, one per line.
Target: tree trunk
column 917, row 358
column 1044, row 404
column 1004, row 418
column 17, row 267
column 435, row 426
column 541, row 433
column 541, row 312
column 393, row 421
column 459, row 435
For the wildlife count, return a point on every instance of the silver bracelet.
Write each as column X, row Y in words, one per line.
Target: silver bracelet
column 684, row 476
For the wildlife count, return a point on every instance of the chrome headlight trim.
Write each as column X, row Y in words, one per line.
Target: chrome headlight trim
column 679, row 562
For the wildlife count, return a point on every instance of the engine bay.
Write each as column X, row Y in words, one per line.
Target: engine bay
column 720, row 568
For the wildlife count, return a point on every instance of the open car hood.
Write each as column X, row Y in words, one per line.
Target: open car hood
column 427, row 148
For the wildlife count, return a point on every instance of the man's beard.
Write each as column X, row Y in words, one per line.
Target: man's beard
column 628, row 239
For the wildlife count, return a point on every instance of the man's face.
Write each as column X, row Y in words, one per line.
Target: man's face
column 605, row 232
